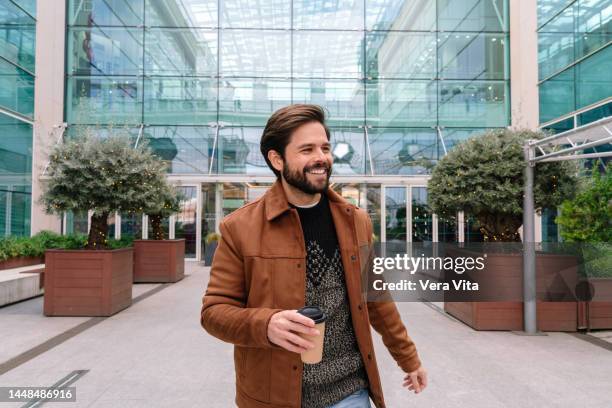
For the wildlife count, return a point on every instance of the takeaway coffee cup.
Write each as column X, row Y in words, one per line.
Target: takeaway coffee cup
column 314, row 355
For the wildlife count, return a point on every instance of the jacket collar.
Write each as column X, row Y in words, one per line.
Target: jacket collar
column 276, row 201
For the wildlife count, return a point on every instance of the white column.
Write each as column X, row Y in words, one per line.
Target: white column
column 523, row 64
column 48, row 100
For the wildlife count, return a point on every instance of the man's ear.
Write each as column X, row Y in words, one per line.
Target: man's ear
column 276, row 160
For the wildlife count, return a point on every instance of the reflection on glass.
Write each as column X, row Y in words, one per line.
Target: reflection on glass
column 557, row 96
column 105, row 12
column 473, row 103
column 403, row 151
column 131, row 225
column 16, row 148
column 472, row 56
column 185, row 149
column 239, row 151
column 452, row 137
column 16, row 89
column 180, row 101
column 341, row 57
column 339, row 15
column 104, row 100
column 104, row 51
column 472, row 15
column 594, row 78
column 234, row 197
column 401, row 55
column 180, row 51
column 76, row 223
column 343, row 99
column 17, row 37
column 250, row 102
column 15, row 201
column 181, row 13
column 348, row 151
column 256, row 53
column 395, row 208
column 421, row 216
column 415, row 15
column 266, row 14
column 550, row 230
column 185, row 226
column 401, row 103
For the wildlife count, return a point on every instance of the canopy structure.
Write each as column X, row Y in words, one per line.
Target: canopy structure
column 569, row 145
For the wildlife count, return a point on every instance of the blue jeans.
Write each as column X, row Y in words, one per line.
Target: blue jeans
column 358, row 399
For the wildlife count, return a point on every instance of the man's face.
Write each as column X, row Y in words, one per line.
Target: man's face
column 308, row 159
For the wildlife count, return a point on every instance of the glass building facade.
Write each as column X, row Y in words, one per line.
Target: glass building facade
column 17, row 50
column 575, row 62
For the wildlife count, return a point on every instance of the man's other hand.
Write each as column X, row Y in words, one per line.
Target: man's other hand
column 416, row 380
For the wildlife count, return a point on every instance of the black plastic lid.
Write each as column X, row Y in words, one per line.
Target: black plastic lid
column 313, row 312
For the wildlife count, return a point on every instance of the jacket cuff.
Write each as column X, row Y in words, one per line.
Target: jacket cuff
column 410, row 364
column 262, row 334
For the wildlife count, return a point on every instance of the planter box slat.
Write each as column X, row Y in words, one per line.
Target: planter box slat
column 78, row 283
column 159, row 260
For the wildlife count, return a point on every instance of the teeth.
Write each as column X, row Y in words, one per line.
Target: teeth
column 317, row 171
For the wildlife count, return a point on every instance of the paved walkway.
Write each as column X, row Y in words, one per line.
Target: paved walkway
column 155, row 354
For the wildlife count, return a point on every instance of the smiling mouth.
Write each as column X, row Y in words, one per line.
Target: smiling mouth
column 318, row 171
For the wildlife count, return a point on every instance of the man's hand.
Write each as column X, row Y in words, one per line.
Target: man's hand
column 416, row 380
column 283, row 327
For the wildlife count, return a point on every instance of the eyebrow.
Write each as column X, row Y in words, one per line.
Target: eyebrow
column 326, row 144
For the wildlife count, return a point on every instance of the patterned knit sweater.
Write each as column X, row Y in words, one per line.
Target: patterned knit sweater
column 341, row 372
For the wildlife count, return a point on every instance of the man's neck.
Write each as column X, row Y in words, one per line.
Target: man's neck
column 297, row 197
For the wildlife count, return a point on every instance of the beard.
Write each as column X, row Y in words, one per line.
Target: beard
column 299, row 179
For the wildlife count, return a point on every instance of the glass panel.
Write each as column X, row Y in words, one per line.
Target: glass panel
column 209, row 193
column 176, row 51
column 372, row 206
column 19, row 198
column 548, row 8
column 76, row 223
column 185, row 149
column 557, row 96
column 131, row 226
column 348, row 151
column 15, row 151
column 471, row 15
column 234, row 197
column 323, row 14
column 105, row 12
column 454, row 136
column 4, row 194
column 110, row 222
column 414, row 15
column 560, row 126
column 182, row 13
column 341, row 57
column 395, row 207
column 595, row 114
column 185, row 226
column 343, row 99
column 473, row 103
column 421, row 216
column 266, row 14
column 104, row 51
column 29, row 6
column 351, row 192
column 104, row 100
column 255, row 53
column 472, row 56
column 16, row 89
column 17, row 36
column 550, row 230
column 594, row 78
column 556, row 43
column 447, row 228
column 401, row 103
column 250, row 102
column 239, row 151
column 401, row 55
column 402, row 151
column 180, row 101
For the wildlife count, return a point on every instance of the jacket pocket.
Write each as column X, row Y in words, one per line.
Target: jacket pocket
column 256, row 380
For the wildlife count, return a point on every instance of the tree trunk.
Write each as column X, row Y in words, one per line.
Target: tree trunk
column 97, row 238
column 156, row 225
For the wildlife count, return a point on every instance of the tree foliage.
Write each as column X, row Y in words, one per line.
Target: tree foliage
column 483, row 176
column 104, row 175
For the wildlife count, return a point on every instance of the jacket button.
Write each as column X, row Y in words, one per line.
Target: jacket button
column 294, row 367
column 359, row 306
column 353, row 258
column 369, row 356
column 299, row 265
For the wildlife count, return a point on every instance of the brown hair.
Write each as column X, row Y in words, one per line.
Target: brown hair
column 281, row 125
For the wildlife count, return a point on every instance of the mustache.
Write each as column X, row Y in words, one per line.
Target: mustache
column 325, row 166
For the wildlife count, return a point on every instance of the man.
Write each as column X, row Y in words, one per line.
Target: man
column 301, row 244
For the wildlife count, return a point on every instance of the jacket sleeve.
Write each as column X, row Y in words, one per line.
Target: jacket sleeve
column 224, row 313
column 386, row 320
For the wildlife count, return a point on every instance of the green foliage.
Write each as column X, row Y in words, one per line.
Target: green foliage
column 588, row 217
column 483, row 176
column 212, row 237
column 35, row 246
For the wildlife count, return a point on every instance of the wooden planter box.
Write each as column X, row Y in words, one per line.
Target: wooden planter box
column 159, row 260
column 87, row 282
column 599, row 312
column 506, row 273
column 21, row 261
